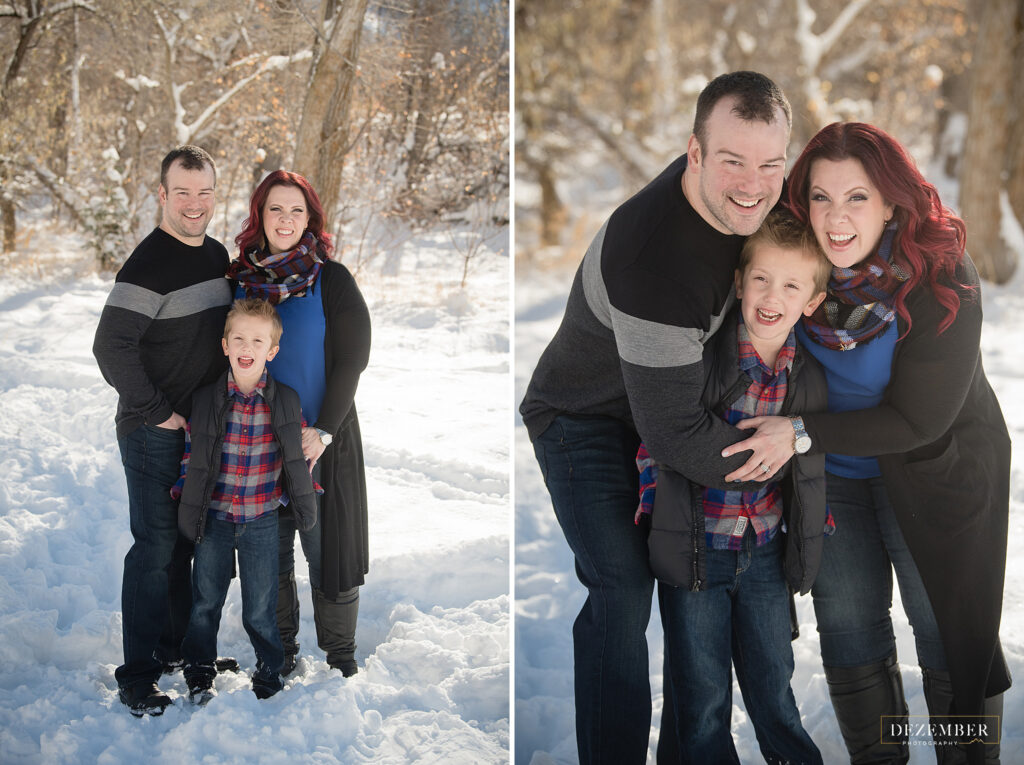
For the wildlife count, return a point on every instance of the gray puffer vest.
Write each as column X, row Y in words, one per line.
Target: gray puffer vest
column 676, row 543
column 210, row 406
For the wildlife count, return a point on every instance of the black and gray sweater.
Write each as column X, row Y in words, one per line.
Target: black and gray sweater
column 652, row 288
column 158, row 337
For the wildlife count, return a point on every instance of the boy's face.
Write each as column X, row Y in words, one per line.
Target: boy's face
column 249, row 345
column 776, row 289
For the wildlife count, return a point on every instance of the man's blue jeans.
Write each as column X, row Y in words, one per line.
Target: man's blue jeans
column 589, row 466
column 853, row 591
column 741, row 619
column 256, row 543
column 156, row 595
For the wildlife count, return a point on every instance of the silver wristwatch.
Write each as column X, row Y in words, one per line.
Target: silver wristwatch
column 325, row 438
column 801, row 441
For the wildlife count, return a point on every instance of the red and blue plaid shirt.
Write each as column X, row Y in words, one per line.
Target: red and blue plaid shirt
column 249, row 484
column 727, row 514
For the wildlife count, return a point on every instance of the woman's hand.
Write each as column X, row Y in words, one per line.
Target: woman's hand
column 772, row 446
column 312, row 446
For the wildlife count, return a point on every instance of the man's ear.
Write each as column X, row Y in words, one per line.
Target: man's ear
column 693, row 155
column 813, row 305
column 161, row 195
column 273, row 352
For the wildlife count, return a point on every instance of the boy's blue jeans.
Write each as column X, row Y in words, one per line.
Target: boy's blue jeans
column 256, row 543
column 741, row 619
column 589, row 467
column 156, row 594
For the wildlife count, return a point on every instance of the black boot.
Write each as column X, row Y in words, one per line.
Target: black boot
column 336, row 628
column 861, row 696
column 938, row 693
column 288, row 618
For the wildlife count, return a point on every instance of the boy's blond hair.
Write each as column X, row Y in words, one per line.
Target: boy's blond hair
column 258, row 308
column 780, row 229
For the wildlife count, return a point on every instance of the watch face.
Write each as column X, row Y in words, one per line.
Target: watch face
column 803, row 444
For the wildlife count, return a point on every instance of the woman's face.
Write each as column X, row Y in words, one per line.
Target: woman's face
column 847, row 211
column 285, row 218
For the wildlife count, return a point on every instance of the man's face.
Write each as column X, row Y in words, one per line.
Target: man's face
column 740, row 170
column 187, row 203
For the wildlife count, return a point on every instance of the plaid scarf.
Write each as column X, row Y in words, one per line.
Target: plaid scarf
column 275, row 278
column 861, row 300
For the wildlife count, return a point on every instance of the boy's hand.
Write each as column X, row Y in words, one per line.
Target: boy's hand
column 174, row 422
column 771, row 446
column 312, row 446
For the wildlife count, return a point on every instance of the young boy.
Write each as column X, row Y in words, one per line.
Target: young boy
column 243, row 459
column 725, row 573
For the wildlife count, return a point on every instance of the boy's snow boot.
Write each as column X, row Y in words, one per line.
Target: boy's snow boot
column 288, row 618
column 144, row 699
column 938, row 693
column 336, row 628
column 861, row 696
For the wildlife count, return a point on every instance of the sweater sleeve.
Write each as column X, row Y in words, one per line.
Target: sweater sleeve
column 931, row 377
column 663, row 373
column 348, row 339
column 128, row 313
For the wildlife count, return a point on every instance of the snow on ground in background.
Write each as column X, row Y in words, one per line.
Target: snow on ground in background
column 434, row 613
column 548, row 595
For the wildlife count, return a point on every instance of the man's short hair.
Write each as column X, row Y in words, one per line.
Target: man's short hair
column 757, row 98
column 260, row 309
column 191, row 158
column 780, row 229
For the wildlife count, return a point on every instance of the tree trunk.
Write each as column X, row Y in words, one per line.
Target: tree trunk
column 988, row 131
column 1015, row 147
column 323, row 132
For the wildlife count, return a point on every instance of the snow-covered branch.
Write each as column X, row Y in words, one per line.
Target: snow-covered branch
column 187, row 131
column 813, row 48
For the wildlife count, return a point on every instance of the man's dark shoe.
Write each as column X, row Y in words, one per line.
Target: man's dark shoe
column 348, row 667
column 144, row 699
column 266, row 684
column 200, row 689
column 226, row 664
column 289, row 664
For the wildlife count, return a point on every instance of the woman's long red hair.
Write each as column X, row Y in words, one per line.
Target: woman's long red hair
column 930, row 241
column 252, row 228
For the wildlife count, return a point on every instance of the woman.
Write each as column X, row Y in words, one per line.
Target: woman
column 918, row 455
column 284, row 257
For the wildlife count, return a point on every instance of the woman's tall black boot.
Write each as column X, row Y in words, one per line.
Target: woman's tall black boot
column 861, row 697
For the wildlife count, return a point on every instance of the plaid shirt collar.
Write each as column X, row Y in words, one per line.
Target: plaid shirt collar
column 236, row 392
column 751, row 363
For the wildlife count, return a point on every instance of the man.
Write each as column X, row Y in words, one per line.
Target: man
column 158, row 340
column 626, row 363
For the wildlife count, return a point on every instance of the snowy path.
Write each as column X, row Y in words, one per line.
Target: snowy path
column 434, row 614
column 548, row 595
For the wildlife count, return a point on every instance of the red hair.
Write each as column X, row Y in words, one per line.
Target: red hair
column 930, row 240
column 252, row 227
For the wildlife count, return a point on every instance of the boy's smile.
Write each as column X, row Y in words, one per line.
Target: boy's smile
column 249, row 345
column 776, row 289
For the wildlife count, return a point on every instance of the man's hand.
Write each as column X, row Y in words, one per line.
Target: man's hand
column 174, row 422
column 312, row 446
column 771, row 447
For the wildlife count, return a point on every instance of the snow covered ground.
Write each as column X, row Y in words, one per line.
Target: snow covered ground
column 433, row 635
column 548, row 596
